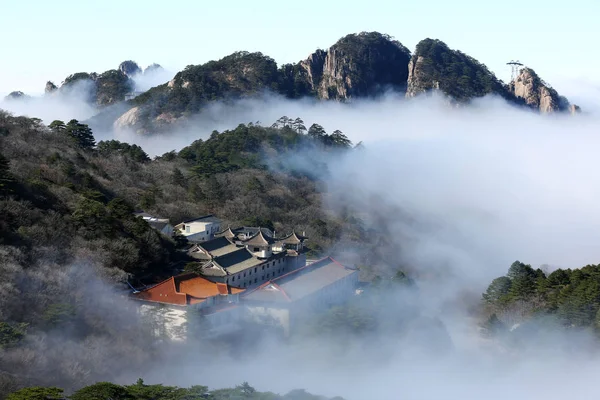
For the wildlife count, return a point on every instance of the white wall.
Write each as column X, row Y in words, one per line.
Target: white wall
column 199, row 230
column 264, row 272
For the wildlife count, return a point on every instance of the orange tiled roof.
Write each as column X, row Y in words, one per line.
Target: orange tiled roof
column 185, row 289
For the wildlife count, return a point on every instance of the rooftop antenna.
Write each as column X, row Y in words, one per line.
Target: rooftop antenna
column 514, row 66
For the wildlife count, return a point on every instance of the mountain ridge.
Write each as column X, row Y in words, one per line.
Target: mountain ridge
column 358, row 65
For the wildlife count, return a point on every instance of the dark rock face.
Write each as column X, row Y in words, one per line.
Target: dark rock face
column 358, row 65
column 105, row 89
column 50, row 87
column 16, row 95
column 130, row 68
column 313, row 66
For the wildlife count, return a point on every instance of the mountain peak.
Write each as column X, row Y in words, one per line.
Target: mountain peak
column 130, row 68
column 538, row 94
column 361, row 64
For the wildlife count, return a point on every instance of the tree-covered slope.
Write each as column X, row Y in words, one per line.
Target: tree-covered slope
column 66, row 229
column 142, row 391
column 435, row 66
column 103, row 89
column 569, row 298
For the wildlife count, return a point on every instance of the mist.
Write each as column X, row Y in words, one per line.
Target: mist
column 465, row 191
column 151, row 77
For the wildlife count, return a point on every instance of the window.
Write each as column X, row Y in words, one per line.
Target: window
column 244, row 274
column 233, row 279
column 256, row 250
column 250, row 272
column 263, row 267
column 254, row 280
column 255, row 269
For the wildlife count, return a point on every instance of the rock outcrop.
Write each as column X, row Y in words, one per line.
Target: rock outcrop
column 129, row 119
column 536, row 93
column 16, row 95
column 358, row 65
column 313, row 66
column 103, row 89
column 130, row 68
column 574, row 109
column 50, row 87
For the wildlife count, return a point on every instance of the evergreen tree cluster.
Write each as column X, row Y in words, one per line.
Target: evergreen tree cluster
column 142, row 391
column 248, row 145
column 458, row 75
column 572, row 297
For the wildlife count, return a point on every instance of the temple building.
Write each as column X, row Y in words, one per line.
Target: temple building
column 173, row 304
column 285, row 300
column 247, row 257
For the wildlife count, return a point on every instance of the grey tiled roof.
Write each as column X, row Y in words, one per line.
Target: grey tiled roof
column 301, row 282
column 237, row 261
column 259, row 239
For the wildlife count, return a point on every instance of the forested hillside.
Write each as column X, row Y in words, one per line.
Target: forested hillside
column 66, row 228
column 141, row 391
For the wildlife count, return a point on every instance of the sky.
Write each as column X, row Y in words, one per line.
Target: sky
column 48, row 40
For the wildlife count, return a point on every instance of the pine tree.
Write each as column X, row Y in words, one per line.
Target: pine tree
column 57, row 126
column 497, row 290
column 338, row 139
column 81, row 134
column 316, row 131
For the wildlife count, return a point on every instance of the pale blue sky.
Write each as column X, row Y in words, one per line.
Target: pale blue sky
column 48, row 40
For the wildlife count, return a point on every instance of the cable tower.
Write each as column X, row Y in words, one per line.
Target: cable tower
column 514, row 66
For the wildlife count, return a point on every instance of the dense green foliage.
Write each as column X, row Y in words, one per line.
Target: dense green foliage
column 141, row 391
column 250, row 146
column 459, row 75
column 235, row 75
column 571, row 297
column 113, row 147
column 78, row 76
column 112, row 86
column 103, row 89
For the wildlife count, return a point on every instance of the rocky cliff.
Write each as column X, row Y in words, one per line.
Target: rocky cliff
column 434, row 66
column 104, row 89
column 130, row 68
column 50, row 87
column 537, row 94
column 358, row 65
column 16, row 95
